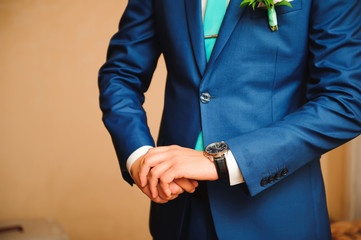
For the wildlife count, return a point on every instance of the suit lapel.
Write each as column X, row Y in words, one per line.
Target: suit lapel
column 195, row 26
column 233, row 15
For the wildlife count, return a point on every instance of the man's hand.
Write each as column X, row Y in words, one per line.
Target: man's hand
column 177, row 187
column 161, row 166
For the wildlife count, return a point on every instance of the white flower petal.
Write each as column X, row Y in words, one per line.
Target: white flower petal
column 277, row 1
column 261, row 4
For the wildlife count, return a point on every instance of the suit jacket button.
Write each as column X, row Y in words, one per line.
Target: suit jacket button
column 277, row 175
column 264, row 182
column 271, row 179
column 284, row 172
column 205, row 97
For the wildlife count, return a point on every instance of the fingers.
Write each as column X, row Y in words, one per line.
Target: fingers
column 177, row 187
column 186, row 184
column 194, row 182
column 174, row 188
column 162, row 195
column 154, row 177
column 152, row 158
column 158, row 199
column 167, row 171
column 162, row 198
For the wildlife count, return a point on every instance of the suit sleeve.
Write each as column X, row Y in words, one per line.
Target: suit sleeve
column 131, row 60
column 332, row 114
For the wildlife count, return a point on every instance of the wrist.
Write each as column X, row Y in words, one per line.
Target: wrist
column 134, row 169
column 136, row 155
column 213, row 174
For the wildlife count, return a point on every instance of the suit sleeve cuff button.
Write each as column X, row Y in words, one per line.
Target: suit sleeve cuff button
column 264, row 182
column 284, row 172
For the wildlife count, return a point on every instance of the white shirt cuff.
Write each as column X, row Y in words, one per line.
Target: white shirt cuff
column 135, row 155
column 235, row 175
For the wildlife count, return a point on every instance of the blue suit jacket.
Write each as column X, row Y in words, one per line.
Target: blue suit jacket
column 279, row 99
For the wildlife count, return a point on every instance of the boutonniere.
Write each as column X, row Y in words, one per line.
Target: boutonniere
column 270, row 6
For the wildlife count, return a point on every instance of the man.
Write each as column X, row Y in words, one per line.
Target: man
column 267, row 104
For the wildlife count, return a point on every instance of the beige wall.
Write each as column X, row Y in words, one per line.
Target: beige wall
column 56, row 157
column 334, row 171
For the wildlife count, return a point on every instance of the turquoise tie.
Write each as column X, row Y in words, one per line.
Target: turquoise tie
column 213, row 17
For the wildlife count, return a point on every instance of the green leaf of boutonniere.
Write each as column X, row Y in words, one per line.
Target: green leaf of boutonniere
column 270, row 6
column 244, row 3
column 284, row 3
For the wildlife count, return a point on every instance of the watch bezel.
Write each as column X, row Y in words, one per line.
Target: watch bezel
column 216, row 154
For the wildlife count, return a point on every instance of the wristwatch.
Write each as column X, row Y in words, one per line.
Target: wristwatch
column 216, row 152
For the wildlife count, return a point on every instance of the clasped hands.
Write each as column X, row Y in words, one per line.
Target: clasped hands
column 163, row 173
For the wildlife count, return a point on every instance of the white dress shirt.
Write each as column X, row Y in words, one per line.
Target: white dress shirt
column 235, row 176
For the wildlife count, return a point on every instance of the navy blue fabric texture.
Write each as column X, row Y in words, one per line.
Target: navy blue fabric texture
column 279, row 99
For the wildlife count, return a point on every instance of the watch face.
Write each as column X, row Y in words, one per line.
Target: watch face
column 217, row 147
